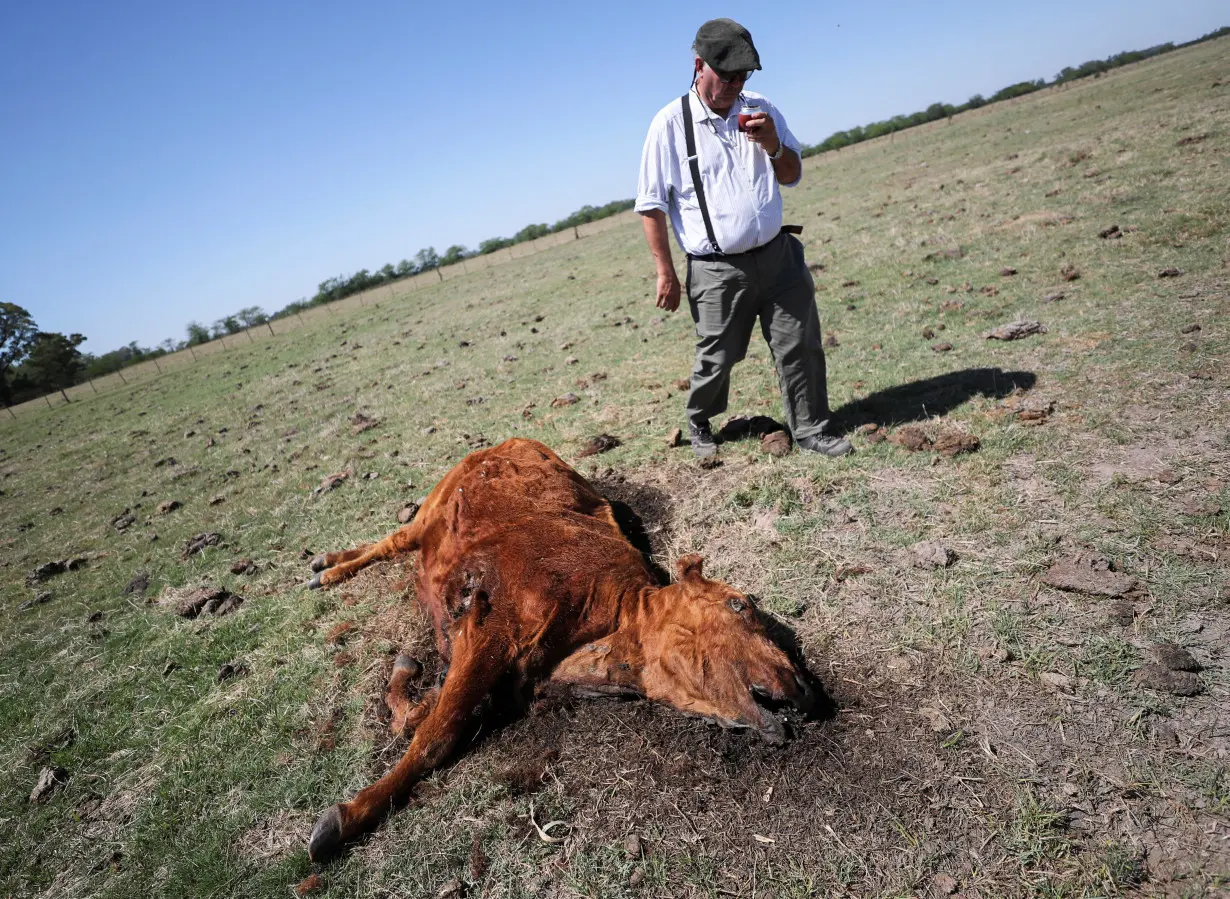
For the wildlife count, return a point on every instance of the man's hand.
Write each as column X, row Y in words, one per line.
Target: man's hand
column 761, row 129
column 669, row 289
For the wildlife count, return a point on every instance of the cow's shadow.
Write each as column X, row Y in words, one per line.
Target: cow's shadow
column 920, row 400
column 788, row 641
column 655, row 516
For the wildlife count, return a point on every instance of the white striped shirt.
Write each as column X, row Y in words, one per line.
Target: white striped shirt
column 741, row 190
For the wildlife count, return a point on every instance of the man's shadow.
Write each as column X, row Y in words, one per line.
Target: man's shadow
column 920, row 400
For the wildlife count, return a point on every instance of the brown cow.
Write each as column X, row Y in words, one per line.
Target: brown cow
column 526, row 576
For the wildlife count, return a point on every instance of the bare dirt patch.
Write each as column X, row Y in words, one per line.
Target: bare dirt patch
column 1088, row 572
column 1133, row 463
column 276, row 836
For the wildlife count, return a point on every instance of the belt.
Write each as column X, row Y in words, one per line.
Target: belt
column 720, row 257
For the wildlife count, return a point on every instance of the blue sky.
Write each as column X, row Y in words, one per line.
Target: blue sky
column 165, row 162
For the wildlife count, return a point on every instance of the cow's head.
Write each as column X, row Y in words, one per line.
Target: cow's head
column 707, row 652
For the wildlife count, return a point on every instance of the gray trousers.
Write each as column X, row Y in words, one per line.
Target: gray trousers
column 727, row 296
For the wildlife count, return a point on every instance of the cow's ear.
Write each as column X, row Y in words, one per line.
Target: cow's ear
column 689, row 567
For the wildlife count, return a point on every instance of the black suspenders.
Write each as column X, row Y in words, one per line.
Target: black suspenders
column 694, row 162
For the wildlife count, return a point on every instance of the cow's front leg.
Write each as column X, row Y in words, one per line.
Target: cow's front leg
column 332, row 568
column 321, row 561
column 480, row 658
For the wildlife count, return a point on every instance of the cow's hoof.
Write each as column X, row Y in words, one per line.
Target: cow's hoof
column 319, row 562
column 326, row 841
column 409, row 664
column 314, row 583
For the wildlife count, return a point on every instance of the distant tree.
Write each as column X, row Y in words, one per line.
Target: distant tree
column 492, row 244
column 251, row 316
column 453, row 255
column 580, row 217
column 877, row 129
column 97, row 366
column 54, row 361
column 531, row 232
column 17, row 332
column 168, row 346
column 226, row 325
column 388, row 273
column 1016, row 90
column 404, row 268
column 197, row 334
column 425, row 260
column 329, row 290
column 360, row 280
column 976, row 101
column 293, row 308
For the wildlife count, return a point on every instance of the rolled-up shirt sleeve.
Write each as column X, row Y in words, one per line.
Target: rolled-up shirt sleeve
column 653, row 188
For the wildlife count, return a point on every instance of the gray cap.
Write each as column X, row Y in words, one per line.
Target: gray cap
column 726, row 45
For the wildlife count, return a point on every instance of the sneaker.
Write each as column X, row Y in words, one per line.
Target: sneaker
column 703, row 443
column 825, row 445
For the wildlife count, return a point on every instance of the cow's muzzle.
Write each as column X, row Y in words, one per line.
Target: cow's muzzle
column 773, row 704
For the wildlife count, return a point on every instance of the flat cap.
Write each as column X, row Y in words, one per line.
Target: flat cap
column 726, row 45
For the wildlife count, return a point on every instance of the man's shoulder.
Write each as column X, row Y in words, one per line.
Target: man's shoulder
column 671, row 112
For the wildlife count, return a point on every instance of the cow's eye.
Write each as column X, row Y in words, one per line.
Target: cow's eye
column 736, row 604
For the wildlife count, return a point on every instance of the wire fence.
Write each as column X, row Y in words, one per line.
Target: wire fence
column 271, row 330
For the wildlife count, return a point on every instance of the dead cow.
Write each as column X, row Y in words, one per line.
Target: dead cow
column 527, row 577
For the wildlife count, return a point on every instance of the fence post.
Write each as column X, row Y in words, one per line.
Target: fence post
column 90, row 381
column 157, row 366
column 248, row 331
column 11, row 412
column 192, row 352
column 48, row 399
column 63, row 394
column 270, row 327
column 122, row 378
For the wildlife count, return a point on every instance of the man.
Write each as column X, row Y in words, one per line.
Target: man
column 741, row 265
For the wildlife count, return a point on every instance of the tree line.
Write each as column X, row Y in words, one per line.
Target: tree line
column 34, row 362
column 936, row 111
column 428, row 259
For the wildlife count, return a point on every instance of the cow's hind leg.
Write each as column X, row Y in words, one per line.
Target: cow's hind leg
column 479, row 660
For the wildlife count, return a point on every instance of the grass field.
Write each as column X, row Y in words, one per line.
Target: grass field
column 998, row 736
